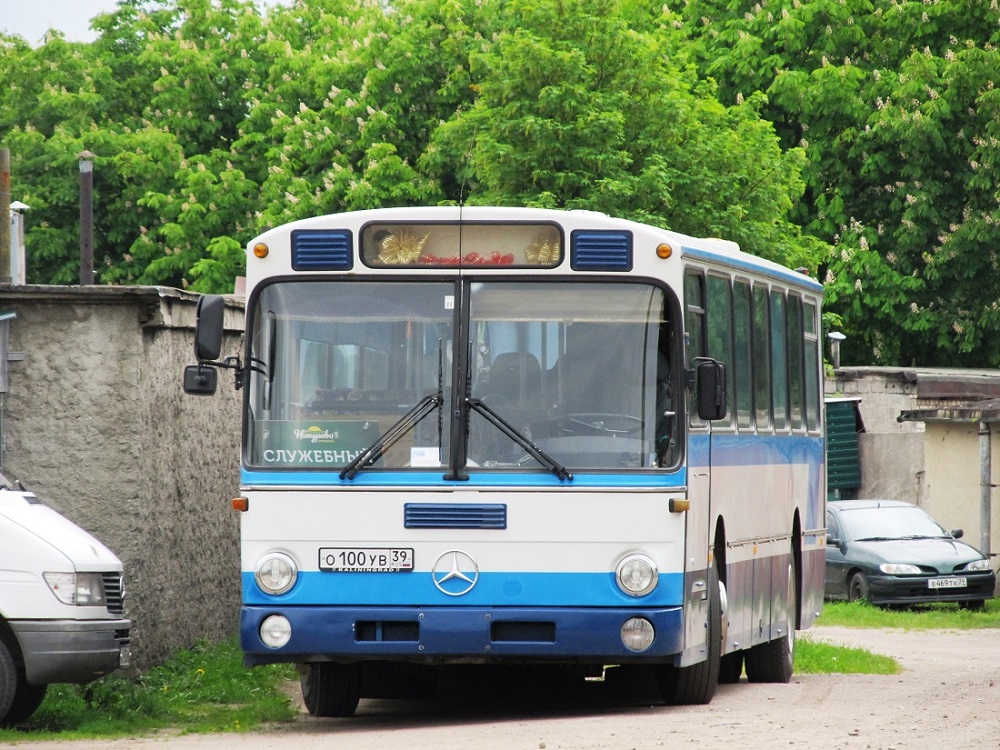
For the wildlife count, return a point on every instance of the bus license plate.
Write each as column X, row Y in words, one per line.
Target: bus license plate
column 947, row 583
column 366, row 559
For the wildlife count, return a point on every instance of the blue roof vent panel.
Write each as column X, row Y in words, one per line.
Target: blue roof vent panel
column 600, row 250
column 322, row 250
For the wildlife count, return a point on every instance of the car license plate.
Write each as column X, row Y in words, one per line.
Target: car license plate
column 366, row 559
column 947, row 583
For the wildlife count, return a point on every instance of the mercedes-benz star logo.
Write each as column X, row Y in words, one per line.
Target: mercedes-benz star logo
column 455, row 573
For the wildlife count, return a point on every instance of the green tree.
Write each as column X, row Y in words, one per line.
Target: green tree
column 894, row 103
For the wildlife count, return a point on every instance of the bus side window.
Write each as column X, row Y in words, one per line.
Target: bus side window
column 694, row 301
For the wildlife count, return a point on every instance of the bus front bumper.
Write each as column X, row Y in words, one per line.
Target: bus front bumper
column 458, row 634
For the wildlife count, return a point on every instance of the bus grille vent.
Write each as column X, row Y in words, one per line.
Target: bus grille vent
column 447, row 516
column 322, row 250
column 601, row 251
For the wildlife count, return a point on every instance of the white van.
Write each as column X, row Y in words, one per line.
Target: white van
column 61, row 604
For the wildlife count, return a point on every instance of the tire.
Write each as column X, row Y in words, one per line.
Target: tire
column 857, row 588
column 330, row 689
column 27, row 699
column 976, row 605
column 8, row 681
column 696, row 684
column 731, row 668
column 774, row 661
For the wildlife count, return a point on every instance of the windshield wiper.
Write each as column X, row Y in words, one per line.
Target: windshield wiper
column 397, row 430
column 512, row 432
column 877, row 539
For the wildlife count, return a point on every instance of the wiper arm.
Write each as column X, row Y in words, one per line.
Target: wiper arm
column 877, row 539
column 397, row 430
column 512, row 432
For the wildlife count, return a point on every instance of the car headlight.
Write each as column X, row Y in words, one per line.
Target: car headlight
column 900, row 569
column 636, row 575
column 983, row 564
column 80, row 589
column 276, row 573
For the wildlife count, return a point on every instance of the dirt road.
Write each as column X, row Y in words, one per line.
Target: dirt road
column 946, row 698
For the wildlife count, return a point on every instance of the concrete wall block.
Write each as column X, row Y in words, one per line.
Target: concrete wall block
column 97, row 424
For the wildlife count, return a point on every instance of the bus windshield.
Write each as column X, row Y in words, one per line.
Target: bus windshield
column 582, row 371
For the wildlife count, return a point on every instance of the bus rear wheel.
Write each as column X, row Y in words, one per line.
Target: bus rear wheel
column 330, row 689
column 774, row 661
column 697, row 683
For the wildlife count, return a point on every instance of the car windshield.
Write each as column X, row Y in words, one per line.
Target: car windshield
column 889, row 522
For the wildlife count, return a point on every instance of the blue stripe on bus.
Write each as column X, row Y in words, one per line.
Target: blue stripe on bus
column 729, row 449
column 294, row 478
column 574, row 633
column 750, row 266
column 518, row 589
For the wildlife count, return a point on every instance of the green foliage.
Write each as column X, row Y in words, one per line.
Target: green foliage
column 895, row 106
column 204, row 689
column 215, row 119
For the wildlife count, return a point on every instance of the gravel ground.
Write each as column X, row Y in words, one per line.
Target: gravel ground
column 946, row 698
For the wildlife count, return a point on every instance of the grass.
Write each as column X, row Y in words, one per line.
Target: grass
column 815, row 657
column 206, row 689
column 920, row 617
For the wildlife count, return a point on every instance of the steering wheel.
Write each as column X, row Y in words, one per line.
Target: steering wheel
column 616, row 424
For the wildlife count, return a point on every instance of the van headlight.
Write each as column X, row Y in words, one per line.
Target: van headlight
column 80, row 589
column 636, row 575
column 276, row 573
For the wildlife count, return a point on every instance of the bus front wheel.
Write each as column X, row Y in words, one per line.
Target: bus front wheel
column 697, row 683
column 330, row 689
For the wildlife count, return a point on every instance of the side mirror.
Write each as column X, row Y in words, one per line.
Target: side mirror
column 957, row 533
column 710, row 380
column 832, row 541
column 208, row 329
column 200, row 380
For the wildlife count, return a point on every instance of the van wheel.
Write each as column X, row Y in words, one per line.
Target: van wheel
column 27, row 699
column 8, row 681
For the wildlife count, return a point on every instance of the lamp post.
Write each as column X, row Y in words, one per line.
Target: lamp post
column 835, row 338
column 86, row 217
column 18, row 272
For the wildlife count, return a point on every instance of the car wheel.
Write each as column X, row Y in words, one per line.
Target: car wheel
column 976, row 605
column 857, row 589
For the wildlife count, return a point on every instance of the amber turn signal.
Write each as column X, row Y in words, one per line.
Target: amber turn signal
column 241, row 504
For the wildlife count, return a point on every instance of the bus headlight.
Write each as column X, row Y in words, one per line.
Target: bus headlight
column 638, row 634
column 275, row 631
column 276, row 573
column 636, row 575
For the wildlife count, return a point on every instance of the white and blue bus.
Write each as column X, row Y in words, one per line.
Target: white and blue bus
column 507, row 436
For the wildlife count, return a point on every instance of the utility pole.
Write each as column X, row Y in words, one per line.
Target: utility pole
column 86, row 217
column 4, row 216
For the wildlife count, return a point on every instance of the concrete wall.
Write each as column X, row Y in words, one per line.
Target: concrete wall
column 935, row 464
column 954, row 480
column 96, row 423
